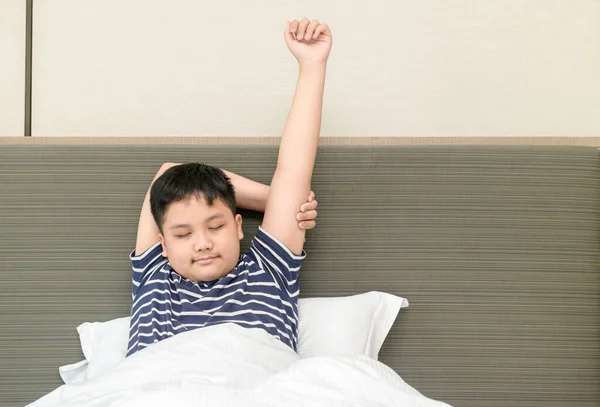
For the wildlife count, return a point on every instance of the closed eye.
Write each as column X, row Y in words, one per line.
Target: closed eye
column 217, row 227
column 182, row 236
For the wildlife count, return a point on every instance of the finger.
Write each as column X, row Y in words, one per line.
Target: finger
column 311, row 196
column 321, row 29
column 318, row 30
column 310, row 29
column 287, row 33
column 308, row 215
column 294, row 27
column 302, row 28
column 309, row 224
column 308, row 206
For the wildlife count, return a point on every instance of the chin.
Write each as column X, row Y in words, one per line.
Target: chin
column 204, row 277
column 200, row 273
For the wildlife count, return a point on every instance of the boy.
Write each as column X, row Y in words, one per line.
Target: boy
column 193, row 276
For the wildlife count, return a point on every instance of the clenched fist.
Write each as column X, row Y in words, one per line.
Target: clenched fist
column 309, row 41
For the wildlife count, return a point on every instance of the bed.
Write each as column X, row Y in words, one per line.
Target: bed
column 495, row 247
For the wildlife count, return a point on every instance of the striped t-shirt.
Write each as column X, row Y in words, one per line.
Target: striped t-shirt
column 260, row 292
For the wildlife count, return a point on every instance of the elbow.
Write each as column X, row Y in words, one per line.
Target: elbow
column 166, row 166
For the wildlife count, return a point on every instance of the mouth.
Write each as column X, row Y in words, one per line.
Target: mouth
column 204, row 260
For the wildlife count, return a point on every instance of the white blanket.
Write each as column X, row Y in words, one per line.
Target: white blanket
column 227, row 365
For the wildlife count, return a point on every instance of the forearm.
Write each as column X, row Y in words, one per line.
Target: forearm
column 298, row 147
column 248, row 194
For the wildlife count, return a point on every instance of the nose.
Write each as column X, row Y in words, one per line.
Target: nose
column 203, row 242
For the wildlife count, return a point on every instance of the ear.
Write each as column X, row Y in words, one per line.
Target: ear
column 238, row 221
column 163, row 244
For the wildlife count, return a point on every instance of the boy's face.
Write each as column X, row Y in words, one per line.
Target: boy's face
column 193, row 231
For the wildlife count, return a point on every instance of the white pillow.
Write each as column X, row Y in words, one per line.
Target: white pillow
column 358, row 324
column 328, row 326
column 104, row 345
column 73, row 373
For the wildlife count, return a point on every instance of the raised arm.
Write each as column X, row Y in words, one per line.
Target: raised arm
column 298, row 147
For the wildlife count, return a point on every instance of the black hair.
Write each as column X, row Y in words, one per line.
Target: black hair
column 186, row 180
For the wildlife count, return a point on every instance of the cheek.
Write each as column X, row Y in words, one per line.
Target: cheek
column 229, row 241
column 179, row 251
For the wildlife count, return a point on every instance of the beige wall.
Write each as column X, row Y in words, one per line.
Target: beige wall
column 12, row 67
column 432, row 68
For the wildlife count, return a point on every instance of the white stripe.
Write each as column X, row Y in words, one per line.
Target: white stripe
column 144, row 254
column 241, row 303
column 190, row 294
column 141, row 270
column 262, row 267
column 260, row 256
column 155, row 290
column 155, row 331
column 150, row 335
column 284, row 247
column 207, row 289
column 133, row 345
column 252, row 312
column 151, row 271
column 242, row 291
column 135, row 328
column 291, row 307
column 155, row 321
column 274, row 253
column 275, row 266
column 256, row 273
column 156, row 300
column 259, row 283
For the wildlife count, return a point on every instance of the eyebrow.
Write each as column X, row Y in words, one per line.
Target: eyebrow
column 185, row 225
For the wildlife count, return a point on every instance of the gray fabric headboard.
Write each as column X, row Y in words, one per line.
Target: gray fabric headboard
column 495, row 247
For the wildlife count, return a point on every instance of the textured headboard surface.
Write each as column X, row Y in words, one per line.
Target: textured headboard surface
column 495, row 247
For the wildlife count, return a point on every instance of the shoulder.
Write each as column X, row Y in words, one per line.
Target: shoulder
column 273, row 256
column 151, row 252
column 149, row 266
column 266, row 240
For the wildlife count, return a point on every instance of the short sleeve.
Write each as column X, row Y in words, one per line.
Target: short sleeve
column 275, row 257
column 145, row 264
